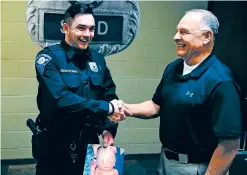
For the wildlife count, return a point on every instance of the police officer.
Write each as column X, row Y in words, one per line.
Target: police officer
column 76, row 94
column 198, row 103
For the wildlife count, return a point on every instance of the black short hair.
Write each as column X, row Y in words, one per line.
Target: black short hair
column 75, row 9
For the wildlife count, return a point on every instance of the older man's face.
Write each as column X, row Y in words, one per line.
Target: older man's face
column 189, row 37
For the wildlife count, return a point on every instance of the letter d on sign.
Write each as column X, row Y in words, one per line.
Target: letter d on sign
column 61, row 29
column 100, row 23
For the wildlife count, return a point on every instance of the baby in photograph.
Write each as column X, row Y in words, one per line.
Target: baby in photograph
column 104, row 162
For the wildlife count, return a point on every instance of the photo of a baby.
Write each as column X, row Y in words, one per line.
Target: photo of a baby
column 102, row 160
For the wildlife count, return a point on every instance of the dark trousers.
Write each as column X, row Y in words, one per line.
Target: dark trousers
column 56, row 157
column 60, row 162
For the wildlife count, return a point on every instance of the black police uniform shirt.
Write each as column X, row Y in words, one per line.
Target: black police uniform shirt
column 74, row 87
column 198, row 108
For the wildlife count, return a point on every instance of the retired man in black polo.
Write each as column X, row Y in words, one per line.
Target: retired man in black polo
column 198, row 103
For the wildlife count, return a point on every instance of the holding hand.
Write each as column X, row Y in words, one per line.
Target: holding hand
column 120, row 111
column 108, row 139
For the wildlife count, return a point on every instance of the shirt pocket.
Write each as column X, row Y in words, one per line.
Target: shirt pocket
column 72, row 82
column 97, row 82
column 96, row 78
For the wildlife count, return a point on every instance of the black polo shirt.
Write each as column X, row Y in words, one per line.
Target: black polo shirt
column 198, row 108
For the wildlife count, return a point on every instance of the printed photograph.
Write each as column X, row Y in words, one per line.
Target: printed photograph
column 102, row 160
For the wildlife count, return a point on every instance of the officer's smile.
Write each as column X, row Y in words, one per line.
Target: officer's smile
column 85, row 41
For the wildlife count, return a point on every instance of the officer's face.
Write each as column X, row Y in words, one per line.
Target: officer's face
column 80, row 32
column 189, row 37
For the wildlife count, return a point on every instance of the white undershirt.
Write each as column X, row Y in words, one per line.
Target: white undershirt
column 187, row 68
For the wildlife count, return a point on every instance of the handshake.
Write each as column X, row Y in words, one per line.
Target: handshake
column 119, row 111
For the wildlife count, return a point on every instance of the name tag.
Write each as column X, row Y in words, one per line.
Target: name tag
column 69, row 71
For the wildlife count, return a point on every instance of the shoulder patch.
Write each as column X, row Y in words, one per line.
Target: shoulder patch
column 41, row 61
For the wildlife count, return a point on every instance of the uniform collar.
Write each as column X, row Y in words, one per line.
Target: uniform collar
column 198, row 71
column 70, row 51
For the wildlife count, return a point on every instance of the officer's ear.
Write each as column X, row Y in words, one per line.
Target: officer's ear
column 65, row 28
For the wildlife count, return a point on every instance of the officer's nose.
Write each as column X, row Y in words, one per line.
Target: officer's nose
column 86, row 33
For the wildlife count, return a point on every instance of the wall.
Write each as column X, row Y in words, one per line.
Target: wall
column 136, row 71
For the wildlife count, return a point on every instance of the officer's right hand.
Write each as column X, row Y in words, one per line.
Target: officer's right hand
column 120, row 111
column 118, row 114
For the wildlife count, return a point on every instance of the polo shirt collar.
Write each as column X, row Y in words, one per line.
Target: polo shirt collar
column 198, row 71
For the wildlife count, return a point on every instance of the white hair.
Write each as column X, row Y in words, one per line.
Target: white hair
column 209, row 20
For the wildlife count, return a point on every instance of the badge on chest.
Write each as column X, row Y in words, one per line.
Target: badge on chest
column 93, row 66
